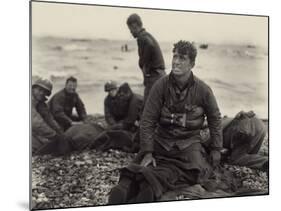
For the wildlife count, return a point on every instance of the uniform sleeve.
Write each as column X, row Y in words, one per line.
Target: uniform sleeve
column 80, row 108
column 48, row 118
column 146, row 51
column 107, row 115
column 39, row 126
column 214, row 120
column 151, row 116
column 58, row 110
column 133, row 111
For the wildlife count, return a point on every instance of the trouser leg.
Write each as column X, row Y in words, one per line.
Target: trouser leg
column 145, row 194
column 120, row 194
column 63, row 123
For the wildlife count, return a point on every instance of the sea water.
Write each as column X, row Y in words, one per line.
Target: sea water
column 237, row 74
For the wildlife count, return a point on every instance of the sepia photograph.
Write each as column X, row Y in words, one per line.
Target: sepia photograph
column 137, row 105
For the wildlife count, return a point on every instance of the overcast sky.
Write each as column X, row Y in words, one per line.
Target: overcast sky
column 83, row 21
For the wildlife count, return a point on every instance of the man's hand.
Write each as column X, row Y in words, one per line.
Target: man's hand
column 137, row 123
column 215, row 156
column 148, row 159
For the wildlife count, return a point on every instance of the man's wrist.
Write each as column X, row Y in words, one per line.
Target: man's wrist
column 145, row 153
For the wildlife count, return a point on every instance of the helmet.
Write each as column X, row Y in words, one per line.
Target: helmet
column 110, row 85
column 45, row 84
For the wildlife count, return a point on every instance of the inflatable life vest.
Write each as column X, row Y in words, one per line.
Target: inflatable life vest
column 192, row 116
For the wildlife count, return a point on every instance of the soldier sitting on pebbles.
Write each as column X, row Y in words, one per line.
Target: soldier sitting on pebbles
column 63, row 102
column 47, row 135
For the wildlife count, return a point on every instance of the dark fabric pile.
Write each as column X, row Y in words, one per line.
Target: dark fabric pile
column 176, row 171
column 85, row 178
column 94, row 135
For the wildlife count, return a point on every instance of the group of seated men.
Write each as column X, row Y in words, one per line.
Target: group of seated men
column 172, row 149
column 51, row 120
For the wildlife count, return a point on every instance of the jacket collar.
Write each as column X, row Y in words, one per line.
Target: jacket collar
column 188, row 83
column 68, row 94
column 142, row 32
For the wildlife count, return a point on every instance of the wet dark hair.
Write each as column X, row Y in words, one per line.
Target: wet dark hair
column 186, row 48
column 71, row 79
column 134, row 18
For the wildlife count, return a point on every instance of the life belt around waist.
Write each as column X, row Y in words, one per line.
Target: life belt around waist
column 181, row 122
column 195, row 112
column 192, row 118
column 192, row 113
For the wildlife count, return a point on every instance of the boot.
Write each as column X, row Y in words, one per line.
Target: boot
column 119, row 194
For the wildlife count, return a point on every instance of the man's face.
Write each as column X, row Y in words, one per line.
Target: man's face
column 123, row 94
column 112, row 92
column 134, row 29
column 39, row 93
column 70, row 87
column 181, row 64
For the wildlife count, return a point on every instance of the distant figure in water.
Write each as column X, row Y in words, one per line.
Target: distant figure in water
column 124, row 48
column 47, row 135
column 63, row 102
column 151, row 59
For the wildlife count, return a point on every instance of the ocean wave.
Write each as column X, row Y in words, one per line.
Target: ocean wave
column 250, row 53
column 70, row 67
column 80, row 40
column 117, row 58
column 76, row 47
column 57, row 48
column 221, row 83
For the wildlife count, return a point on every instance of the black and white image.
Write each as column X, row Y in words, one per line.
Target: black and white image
column 137, row 105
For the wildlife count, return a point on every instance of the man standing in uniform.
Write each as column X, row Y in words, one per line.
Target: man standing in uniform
column 63, row 102
column 151, row 59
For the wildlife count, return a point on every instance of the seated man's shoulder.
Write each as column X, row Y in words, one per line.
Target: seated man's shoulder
column 108, row 100
column 76, row 95
column 202, row 84
column 59, row 94
column 163, row 80
column 42, row 107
